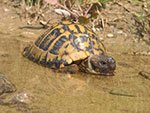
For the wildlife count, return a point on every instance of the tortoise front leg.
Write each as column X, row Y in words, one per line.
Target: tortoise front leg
column 73, row 68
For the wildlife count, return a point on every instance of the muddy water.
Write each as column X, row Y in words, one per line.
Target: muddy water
column 126, row 92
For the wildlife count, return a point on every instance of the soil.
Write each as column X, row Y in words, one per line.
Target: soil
column 126, row 92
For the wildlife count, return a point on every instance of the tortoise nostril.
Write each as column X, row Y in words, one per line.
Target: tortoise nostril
column 110, row 59
column 112, row 63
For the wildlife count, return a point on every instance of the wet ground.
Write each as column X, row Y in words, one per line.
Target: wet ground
column 49, row 92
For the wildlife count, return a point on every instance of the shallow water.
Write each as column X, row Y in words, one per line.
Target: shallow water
column 126, row 92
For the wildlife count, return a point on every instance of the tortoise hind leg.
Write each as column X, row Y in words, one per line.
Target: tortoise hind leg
column 73, row 68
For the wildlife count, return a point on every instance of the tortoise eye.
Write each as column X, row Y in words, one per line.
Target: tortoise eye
column 102, row 63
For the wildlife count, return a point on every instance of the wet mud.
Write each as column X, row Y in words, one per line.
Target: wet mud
column 40, row 90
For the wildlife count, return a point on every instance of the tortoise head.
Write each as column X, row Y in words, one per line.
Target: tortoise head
column 101, row 64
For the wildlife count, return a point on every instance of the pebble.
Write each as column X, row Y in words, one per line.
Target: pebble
column 29, row 35
column 93, row 29
column 6, row 86
column 6, row 10
column 143, row 53
column 4, row 54
column 101, row 38
column 110, row 35
column 120, row 32
column 97, row 29
column 24, row 98
column 62, row 12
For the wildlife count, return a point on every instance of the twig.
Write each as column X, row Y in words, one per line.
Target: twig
column 121, row 94
column 86, row 12
column 76, row 15
column 144, row 74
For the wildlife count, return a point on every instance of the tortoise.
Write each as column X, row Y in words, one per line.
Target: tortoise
column 69, row 47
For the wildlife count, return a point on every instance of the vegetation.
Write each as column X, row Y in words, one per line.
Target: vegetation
column 85, row 11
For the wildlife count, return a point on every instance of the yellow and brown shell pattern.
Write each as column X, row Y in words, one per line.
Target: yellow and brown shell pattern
column 64, row 44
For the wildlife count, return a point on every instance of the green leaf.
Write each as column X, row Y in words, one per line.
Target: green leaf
column 83, row 20
column 104, row 1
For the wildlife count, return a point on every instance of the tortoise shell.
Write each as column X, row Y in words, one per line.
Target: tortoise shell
column 64, row 44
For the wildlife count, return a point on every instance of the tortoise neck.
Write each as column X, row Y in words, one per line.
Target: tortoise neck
column 84, row 65
column 89, row 62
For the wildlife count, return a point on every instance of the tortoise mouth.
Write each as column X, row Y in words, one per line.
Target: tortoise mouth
column 109, row 73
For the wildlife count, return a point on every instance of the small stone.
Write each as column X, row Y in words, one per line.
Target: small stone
column 110, row 35
column 18, row 98
column 120, row 32
column 29, row 22
column 6, row 86
column 43, row 22
column 69, row 76
column 148, row 53
column 29, row 35
column 6, row 10
column 97, row 29
column 62, row 12
column 3, row 54
column 101, row 38
column 88, row 15
column 93, row 29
